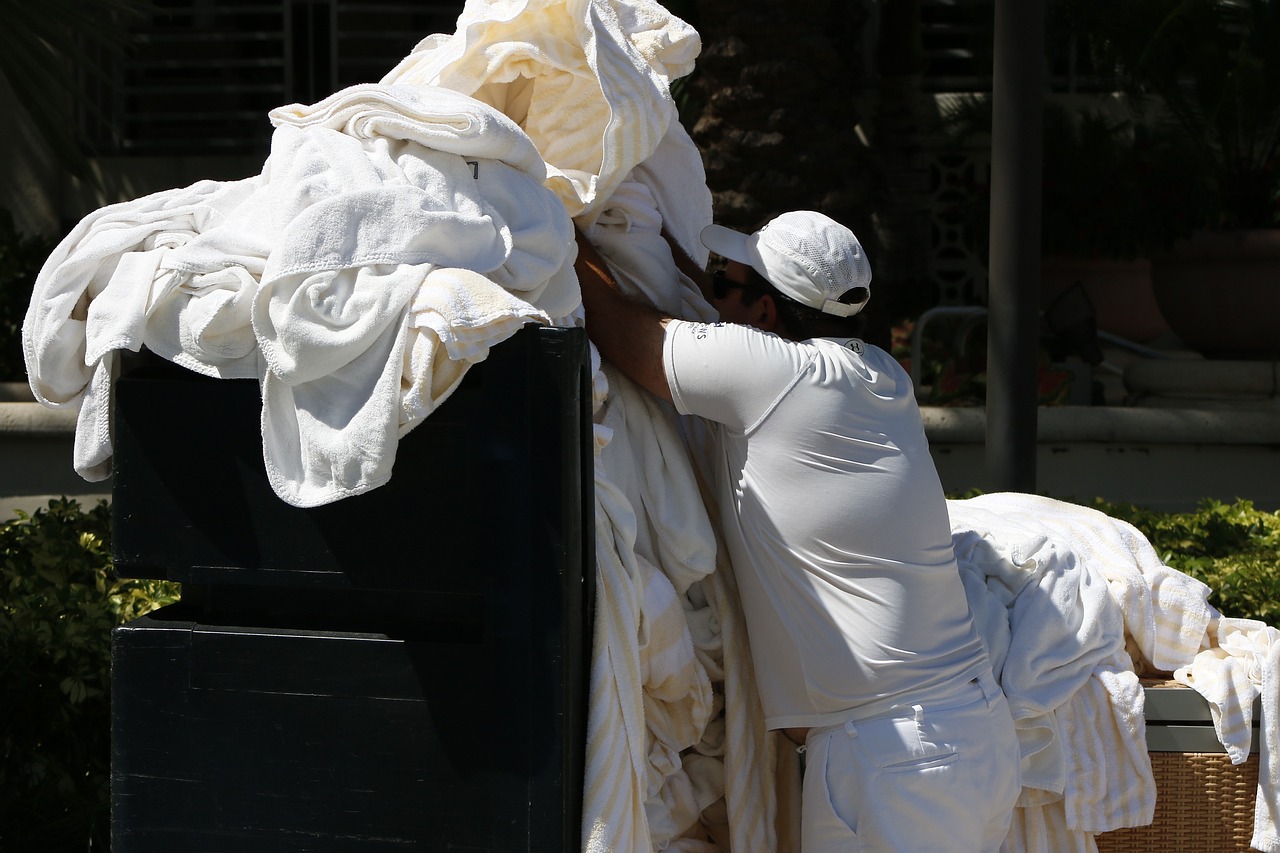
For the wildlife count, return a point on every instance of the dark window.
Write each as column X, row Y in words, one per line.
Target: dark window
column 201, row 75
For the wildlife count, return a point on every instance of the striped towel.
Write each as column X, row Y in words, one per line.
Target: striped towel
column 1240, row 666
column 1105, row 738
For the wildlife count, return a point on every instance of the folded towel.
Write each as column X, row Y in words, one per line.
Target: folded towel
column 433, row 117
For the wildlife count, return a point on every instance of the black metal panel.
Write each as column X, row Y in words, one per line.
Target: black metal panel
column 241, row 739
column 401, row 669
column 495, row 472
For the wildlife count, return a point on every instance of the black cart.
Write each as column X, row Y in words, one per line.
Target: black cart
column 403, row 669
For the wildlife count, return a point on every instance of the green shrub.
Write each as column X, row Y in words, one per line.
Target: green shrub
column 1234, row 548
column 59, row 601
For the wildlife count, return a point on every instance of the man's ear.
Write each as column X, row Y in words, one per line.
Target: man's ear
column 765, row 313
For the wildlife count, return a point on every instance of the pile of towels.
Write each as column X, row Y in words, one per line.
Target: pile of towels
column 393, row 236
column 1072, row 604
column 396, row 233
column 399, row 230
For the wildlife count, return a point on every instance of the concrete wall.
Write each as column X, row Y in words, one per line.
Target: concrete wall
column 1159, row 458
column 35, row 459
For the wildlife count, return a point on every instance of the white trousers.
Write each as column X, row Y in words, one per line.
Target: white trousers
column 935, row 777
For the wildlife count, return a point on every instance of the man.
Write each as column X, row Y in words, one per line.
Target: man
column 863, row 644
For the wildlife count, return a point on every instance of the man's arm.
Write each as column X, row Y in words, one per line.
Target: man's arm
column 628, row 334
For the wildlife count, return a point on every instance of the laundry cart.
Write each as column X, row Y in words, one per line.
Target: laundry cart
column 402, row 669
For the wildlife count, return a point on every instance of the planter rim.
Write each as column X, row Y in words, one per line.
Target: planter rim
column 1114, row 424
column 34, row 420
column 1234, row 243
column 16, row 392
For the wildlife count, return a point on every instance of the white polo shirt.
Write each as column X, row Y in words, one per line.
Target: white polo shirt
column 835, row 521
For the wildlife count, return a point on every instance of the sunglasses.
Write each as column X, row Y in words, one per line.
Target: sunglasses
column 721, row 284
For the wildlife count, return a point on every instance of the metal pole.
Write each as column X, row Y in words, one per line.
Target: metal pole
column 1016, row 154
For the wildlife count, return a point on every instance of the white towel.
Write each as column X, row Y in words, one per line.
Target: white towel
column 85, row 303
column 54, row 331
column 204, row 322
column 318, row 278
column 1077, row 702
column 647, row 458
column 750, row 753
column 1043, row 829
column 1229, row 675
column 677, row 707
column 614, row 817
column 1062, row 621
column 436, row 118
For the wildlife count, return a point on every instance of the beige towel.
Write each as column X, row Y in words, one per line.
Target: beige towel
column 1241, row 665
column 587, row 80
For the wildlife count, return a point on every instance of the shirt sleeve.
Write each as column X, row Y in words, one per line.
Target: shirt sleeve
column 729, row 373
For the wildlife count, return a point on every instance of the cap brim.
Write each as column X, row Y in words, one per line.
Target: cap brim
column 727, row 243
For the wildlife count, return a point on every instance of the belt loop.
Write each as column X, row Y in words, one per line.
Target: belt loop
column 850, row 729
column 918, row 710
column 989, row 687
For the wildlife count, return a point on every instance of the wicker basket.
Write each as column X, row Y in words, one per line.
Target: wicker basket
column 1203, row 801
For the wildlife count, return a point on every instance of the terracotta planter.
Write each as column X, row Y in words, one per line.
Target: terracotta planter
column 1220, row 292
column 1120, row 291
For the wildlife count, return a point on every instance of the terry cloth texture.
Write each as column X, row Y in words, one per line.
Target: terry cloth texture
column 1050, row 583
column 1241, row 664
column 355, row 277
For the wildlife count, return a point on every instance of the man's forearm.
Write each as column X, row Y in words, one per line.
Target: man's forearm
column 627, row 333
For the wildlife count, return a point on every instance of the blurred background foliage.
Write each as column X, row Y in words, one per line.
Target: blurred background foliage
column 59, row 600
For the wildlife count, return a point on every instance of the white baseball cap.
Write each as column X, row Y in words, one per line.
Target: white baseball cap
column 804, row 254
